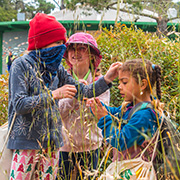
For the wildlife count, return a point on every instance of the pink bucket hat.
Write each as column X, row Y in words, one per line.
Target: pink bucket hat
column 84, row 38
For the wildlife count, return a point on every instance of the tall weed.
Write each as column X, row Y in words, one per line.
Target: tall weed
column 120, row 44
column 3, row 98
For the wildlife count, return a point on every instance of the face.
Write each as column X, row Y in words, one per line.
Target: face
column 129, row 88
column 57, row 43
column 79, row 55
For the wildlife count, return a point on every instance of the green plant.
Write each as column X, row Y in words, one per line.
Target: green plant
column 3, row 98
column 122, row 43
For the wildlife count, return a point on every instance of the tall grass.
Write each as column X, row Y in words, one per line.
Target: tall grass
column 120, row 44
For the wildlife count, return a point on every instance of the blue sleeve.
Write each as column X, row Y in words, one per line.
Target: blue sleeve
column 112, row 110
column 126, row 135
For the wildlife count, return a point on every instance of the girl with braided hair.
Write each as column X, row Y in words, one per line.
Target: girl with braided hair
column 130, row 132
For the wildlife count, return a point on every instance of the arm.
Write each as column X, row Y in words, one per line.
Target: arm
column 133, row 132
column 80, row 90
column 100, row 110
column 69, row 88
column 66, row 105
column 25, row 92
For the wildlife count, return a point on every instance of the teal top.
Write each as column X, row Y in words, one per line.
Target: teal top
column 142, row 123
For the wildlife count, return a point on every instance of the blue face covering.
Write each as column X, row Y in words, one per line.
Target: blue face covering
column 48, row 61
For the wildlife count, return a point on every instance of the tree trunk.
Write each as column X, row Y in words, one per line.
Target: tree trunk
column 62, row 4
column 162, row 27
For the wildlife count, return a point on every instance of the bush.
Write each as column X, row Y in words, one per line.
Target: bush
column 122, row 43
column 3, row 98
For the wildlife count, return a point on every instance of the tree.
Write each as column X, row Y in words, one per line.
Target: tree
column 10, row 8
column 159, row 9
column 38, row 6
column 60, row 6
column 7, row 10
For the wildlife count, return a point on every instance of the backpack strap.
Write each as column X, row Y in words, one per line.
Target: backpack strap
column 139, row 106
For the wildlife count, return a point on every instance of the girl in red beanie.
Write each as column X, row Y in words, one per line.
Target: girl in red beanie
column 36, row 82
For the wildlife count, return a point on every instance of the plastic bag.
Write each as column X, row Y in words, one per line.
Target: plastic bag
column 133, row 169
column 6, row 155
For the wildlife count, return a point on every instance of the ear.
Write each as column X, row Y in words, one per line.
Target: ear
column 144, row 84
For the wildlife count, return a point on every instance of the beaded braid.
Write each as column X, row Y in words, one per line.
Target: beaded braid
column 156, row 103
column 158, row 81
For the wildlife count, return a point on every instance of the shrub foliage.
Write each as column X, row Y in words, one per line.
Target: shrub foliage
column 122, row 43
column 3, row 98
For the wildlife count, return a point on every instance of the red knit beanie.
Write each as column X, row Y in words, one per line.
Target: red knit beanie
column 44, row 30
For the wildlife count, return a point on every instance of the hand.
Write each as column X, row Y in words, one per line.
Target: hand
column 66, row 91
column 112, row 73
column 83, row 81
column 97, row 108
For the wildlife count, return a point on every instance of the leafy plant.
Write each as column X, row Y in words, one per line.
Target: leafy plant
column 122, row 43
column 4, row 98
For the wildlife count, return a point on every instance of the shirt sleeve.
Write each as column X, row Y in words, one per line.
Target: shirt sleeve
column 20, row 93
column 136, row 130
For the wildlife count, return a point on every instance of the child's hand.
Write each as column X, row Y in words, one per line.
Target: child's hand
column 112, row 73
column 83, row 81
column 97, row 108
column 66, row 91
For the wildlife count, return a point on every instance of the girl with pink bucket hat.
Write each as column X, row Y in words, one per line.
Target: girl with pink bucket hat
column 82, row 138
